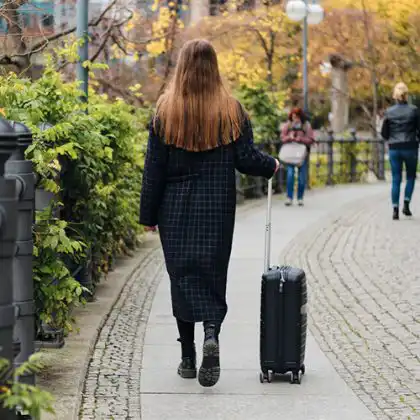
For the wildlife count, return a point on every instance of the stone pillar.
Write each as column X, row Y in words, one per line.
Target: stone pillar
column 198, row 10
column 340, row 102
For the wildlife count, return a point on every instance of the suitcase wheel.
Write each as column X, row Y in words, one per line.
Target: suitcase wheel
column 266, row 376
column 295, row 377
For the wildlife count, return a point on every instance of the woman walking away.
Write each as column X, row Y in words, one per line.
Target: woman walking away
column 198, row 137
column 297, row 130
column 401, row 128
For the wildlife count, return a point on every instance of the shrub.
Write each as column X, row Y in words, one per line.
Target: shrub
column 92, row 159
column 15, row 395
column 264, row 109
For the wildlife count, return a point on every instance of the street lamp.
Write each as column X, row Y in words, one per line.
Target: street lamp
column 82, row 15
column 311, row 14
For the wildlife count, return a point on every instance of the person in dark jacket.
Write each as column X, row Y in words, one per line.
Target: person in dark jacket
column 401, row 128
column 198, row 137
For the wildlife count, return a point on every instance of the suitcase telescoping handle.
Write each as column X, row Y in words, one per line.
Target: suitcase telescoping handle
column 267, row 248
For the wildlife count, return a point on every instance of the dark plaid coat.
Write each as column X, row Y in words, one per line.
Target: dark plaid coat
column 191, row 196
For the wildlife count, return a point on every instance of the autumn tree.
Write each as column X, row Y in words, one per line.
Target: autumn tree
column 255, row 44
column 374, row 36
column 19, row 45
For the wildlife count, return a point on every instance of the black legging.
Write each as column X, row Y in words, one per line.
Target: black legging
column 186, row 331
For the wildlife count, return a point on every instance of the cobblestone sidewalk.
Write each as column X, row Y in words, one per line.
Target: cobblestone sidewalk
column 362, row 271
column 111, row 388
column 364, row 276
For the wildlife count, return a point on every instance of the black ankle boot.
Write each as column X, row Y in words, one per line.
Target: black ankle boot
column 406, row 209
column 209, row 372
column 396, row 214
column 187, row 369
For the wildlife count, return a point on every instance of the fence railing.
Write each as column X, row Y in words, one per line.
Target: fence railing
column 332, row 160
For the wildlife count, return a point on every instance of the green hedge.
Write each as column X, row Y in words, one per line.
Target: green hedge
column 93, row 163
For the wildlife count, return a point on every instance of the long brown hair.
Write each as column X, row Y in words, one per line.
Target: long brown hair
column 196, row 112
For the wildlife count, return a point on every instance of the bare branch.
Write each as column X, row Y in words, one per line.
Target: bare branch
column 122, row 92
column 41, row 45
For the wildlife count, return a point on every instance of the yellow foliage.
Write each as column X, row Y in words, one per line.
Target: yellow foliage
column 251, row 44
column 160, row 28
column 379, row 36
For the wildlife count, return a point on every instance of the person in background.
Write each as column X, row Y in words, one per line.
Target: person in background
column 199, row 136
column 297, row 130
column 401, row 128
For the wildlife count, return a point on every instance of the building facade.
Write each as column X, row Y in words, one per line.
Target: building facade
column 65, row 12
column 36, row 17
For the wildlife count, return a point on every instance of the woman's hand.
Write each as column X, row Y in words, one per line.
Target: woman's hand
column 150, row 228
column 277, row 165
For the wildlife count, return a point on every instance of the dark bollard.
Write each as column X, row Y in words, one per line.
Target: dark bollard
column 8, row 211
column 7, row 143
column 19, row 169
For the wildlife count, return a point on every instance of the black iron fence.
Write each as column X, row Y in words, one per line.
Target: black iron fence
column 332, row 160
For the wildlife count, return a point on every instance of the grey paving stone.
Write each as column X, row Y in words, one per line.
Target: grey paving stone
column 322, row 394
column 132, row 374
column 248, row 407
column 361, row 268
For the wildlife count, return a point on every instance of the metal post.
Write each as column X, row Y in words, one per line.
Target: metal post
column 353, row 157
column 330, row 157
column 305, row 64
column 82, row 34
column 19, row 169
column 8, row 211
column 381, row 160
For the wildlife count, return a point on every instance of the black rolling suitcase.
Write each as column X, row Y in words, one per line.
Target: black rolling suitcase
column 283, row 316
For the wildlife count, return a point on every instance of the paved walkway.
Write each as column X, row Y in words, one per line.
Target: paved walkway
column 364, row 313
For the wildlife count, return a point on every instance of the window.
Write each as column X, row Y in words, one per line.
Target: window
column 24, row 20
column 216, row 7
column 246, row 5
column 3, row 25
column 47, row 21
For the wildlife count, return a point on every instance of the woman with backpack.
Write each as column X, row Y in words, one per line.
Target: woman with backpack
column 297, row 130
